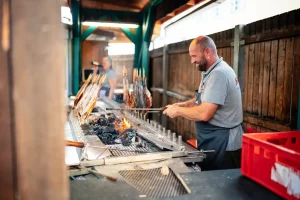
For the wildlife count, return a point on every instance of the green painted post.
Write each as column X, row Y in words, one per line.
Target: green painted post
column 70, row 63
column 149, row 21
column 91, row 29
column 76, row 45
column 138, row 47
column 129, row 34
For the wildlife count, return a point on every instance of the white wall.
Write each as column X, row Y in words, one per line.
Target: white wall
column 222, row 16
column 120, row 49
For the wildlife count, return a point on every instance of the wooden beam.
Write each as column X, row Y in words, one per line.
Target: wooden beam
column 124, row 4
column 165, row 82
column 266, row 36
column 164, row 19
column 172, row 14
column 198, row 1
column 168, row 6
column 265, row 123
column 7, row 169
column 106, row 6
column 101, row 15
column 38, row 82
column 191, row 3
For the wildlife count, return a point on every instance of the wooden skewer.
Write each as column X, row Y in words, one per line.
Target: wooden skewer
column 100, row 174
column 74, row 144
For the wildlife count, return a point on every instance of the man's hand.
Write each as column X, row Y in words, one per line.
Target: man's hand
column 172, row 110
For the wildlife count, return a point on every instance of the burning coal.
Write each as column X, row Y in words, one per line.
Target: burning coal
column 112, row 130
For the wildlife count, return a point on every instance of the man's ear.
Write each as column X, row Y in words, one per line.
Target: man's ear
column 207, row 51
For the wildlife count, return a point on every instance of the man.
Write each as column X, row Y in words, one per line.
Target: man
column 216, row 109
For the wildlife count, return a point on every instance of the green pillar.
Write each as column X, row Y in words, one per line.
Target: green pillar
column 148, row 25
column 138, row 47
column 90, row 29
column 70, row 65
column 142, row 36
column 76, row 28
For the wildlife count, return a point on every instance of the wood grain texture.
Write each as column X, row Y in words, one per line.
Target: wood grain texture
column 270, row 124
column 7, row 169
column 250, row 78
column 38, row 64
column 296, row 81
column 261, row 79
column 246, row 75
column 118, row 62
column 288, row 78
column 273, row 79
column 157, row 67
column 280, row 79
column 93, row 51
column 266, row 78
column 256, row 74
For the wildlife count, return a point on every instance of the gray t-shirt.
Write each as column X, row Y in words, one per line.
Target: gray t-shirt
column 110, row 73
column 220, row 86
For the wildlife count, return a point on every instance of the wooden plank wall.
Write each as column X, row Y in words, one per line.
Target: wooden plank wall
column 8, row 166
column 271, row 73
column 156, row 82
column 118, row 63
column 92, row 51
column 270, row 100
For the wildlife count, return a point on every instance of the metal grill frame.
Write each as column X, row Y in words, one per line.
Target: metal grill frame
column 152, row 183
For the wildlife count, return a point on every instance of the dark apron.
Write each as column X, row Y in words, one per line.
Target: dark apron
column 106, row 89
column 210, row 137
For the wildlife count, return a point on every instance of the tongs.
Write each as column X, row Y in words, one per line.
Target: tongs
column 139, row 109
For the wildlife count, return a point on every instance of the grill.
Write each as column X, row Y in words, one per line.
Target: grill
column 131, row 148
column 153, row 184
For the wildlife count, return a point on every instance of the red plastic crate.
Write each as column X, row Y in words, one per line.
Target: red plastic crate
column 251, row 130
column 273, row 160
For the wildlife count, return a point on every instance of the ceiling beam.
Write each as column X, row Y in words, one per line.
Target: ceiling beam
column 168, row 6
column 191, row 2
column 123, row 16
column 106, row 6
column 87, row 11
column 172, row 14
column 119, row 3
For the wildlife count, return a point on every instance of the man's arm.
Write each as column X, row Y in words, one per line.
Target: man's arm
column 188, row 103
column 203, row 112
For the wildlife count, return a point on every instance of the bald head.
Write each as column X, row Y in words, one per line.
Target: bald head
column 203, row 52
column 204, row 42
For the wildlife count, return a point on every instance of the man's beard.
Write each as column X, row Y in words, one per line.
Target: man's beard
column 202, row 65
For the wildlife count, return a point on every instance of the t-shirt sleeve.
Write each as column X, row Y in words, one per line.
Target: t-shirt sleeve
column 216, row 88
column 111, row 74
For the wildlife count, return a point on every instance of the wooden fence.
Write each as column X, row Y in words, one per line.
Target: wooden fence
column 269, row 59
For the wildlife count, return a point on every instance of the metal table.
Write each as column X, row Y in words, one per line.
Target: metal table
column 220, row 184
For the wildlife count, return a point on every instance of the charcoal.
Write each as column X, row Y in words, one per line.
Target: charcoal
column 112, row 126
column 127, row 137
column 111, row 117
column 102, row 121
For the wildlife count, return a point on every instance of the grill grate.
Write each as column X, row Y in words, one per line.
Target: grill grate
column 152, row 183
column 131, row 148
